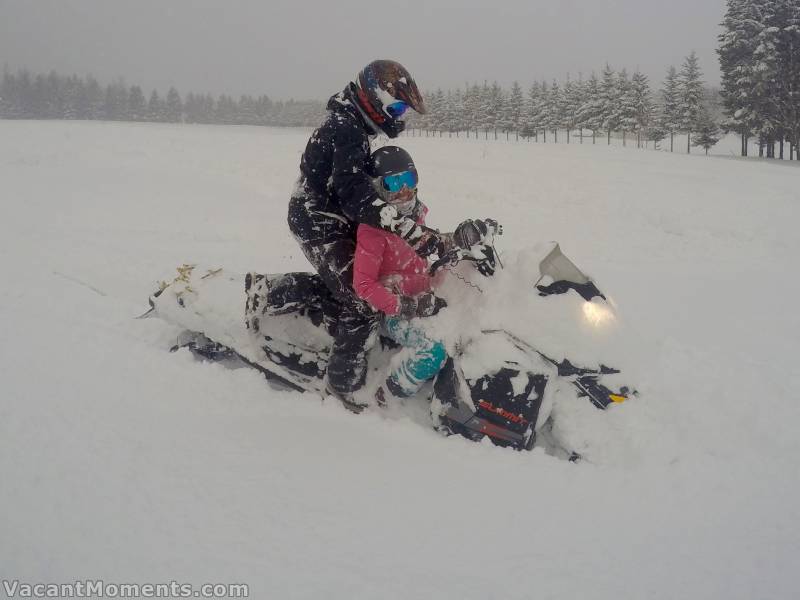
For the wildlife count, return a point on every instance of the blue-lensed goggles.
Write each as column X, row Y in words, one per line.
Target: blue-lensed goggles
column 395, row 183
column 397, row 109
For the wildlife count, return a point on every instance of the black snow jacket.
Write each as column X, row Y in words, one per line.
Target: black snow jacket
column 333, row 170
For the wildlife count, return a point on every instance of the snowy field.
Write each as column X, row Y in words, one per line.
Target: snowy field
column 122, row 462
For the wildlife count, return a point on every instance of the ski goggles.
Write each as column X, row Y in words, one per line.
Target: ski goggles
column 397, row 109
column 395, row 183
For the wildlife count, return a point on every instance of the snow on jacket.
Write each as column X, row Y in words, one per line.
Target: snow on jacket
column 387, row 267
column 333, row 169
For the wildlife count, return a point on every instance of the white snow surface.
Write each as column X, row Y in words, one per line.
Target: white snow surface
column 123, row 462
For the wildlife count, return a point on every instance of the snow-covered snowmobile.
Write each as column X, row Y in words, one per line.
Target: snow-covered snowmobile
column 495, row 382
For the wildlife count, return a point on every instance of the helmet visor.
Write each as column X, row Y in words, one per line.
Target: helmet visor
column 395, row 183
column 397, row 109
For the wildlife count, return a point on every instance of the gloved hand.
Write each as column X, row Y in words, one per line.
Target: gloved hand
column 474, row 240
column 486, row 266
column 471, row 232
column 407, row 307
column 429, row 304
column 431, row 242
column 424, row 305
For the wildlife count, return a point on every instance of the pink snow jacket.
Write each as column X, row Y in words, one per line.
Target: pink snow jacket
column 386, row 267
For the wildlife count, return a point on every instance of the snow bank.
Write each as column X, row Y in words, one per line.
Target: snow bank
column 124, row 462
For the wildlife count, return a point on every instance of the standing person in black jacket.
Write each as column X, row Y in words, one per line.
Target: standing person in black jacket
column 334, row 194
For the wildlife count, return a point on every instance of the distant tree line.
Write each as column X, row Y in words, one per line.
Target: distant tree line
column 759, row 54
column 27, row 96
column 614, row 102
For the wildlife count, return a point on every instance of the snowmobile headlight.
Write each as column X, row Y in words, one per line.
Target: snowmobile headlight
column 597, row 314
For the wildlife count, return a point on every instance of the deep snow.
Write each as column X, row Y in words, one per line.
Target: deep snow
column 121, row 461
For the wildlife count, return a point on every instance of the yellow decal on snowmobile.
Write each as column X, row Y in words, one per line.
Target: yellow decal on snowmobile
column 617, row 398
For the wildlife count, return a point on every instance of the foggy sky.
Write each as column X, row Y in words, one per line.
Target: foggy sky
column 311, row 48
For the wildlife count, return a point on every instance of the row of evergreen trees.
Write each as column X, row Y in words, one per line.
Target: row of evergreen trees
column 759, row 53
column 614, row 102
column 53, row 96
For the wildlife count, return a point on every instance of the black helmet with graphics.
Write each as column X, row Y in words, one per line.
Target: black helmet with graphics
column 385, row 90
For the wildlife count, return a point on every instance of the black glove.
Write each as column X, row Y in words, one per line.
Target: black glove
column 407, row 307
column 424, row 305
column 471, row 232
column 486, row 265
column 429, row 243
column 429, row 305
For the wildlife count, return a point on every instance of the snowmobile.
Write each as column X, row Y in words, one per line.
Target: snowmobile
column 495, row 384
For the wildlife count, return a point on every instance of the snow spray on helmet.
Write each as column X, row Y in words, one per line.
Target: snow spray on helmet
column 385, row 90
column 395, row 177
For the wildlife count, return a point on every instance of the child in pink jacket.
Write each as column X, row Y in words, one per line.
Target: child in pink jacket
column 391, row 277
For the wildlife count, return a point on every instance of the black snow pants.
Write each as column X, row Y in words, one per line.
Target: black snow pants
column 328, row 241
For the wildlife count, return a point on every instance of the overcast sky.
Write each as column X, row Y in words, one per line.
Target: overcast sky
column 311, row 48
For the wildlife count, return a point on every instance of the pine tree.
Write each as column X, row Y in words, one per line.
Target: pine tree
column 136, row 104
column 708, row 133
column 174, row 108
column 437, row 111
column 544, row 110
column 515, row 107
column 555, row 109
column 642, row 104
column 471, row 106
column 626, row 104
column 777, row 67
column 75, row 102
column 155, row 108
column 116, row 102
column 95, row 98
column 531, row 118
column 742, row 26
column 591, row 109
column 691, row 96
column 571, row 103
column 609, row 114
column 671, row 115
column 7, row 93
column 789, row 98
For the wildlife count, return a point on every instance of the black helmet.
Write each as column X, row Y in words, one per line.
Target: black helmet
column 380, row 86
column 390, row 160
column 394, row 177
